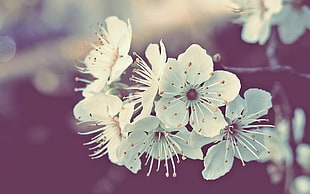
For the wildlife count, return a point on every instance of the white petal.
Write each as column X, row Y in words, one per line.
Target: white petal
column 156, row 58
column 198, row 64
column 223, row 87
column 96, row 86
column 120, row 33
column 146, row 124
column 264, row 32
column 173, row 78
column 306, row 16
column 125, row 114
column 257, row 102
column 249, row 147
column 217, row 162
column 148, row 100
column 291, row 28
column 251, row 29
column 129, row 149
column 188, row 149
column 301, row 185
column 299, row 123
column 119, row 67
column 212, row 125
column 235, row 108
column 98, row 68
column 197, row 140
column 112, row 149
column 173, row 112
column 97, row 107
column 303, row 156
column 206, row 119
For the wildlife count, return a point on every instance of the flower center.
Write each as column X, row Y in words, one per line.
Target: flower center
column 191, row 94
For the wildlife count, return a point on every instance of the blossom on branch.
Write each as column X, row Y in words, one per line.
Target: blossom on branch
column 151, row 138
column 109, row 58
column 192, row 92
column 108, row 114
column 240, row 138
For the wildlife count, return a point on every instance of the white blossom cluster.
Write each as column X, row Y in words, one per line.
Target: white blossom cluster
column 174, row 108
column 291, row 17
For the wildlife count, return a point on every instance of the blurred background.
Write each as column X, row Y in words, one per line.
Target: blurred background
column 41, row 42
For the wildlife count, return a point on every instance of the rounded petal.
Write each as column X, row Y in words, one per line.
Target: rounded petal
column 299, row 123
column 173, row 79
column 145, row 124
column 198, row 64
column 119, row 33
column 119, row 67
column 290, row 29
column 173, row 112
column 303, row 156
column 257, row 102
column 156, row 58
column 211, row 125
column 197, row 140
column 128, row 151
column 188, row 149
column 98, row 68
column 250, row 146
column 301, row 185
column 222, row 88
column 217, row 162
column 235, row 108
column 251, row 29
column 125, row 114
column 96, row 86
column 114, row 143
column 97, row 107
column 148, row 97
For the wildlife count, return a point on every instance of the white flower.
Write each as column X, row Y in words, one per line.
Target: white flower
column 108, row 113
column 256, row 18
column 107, row 61
column 292, row 21
column 150, row 136
column 148, row 80
column 240, row 138
column 191, row 91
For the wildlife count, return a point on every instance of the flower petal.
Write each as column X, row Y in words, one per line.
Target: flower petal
column 173, row 112
column 188, row 149
column 129, row 151
column 235, row 108
column 96, row 86
column 257, row 102
column 299, row 123
column 173, row 79
column 197, row 140
column 217, row 162
column 198, row 64
column 125, row 114
column 251, row 29
column 156, row 58
column 250, row 146
column 206, row 119
column 145, row 124
column 222, row 88
column 97, row 107
column 114, row 143
column 119, row 67
column 290, row 29
column 120, row 33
